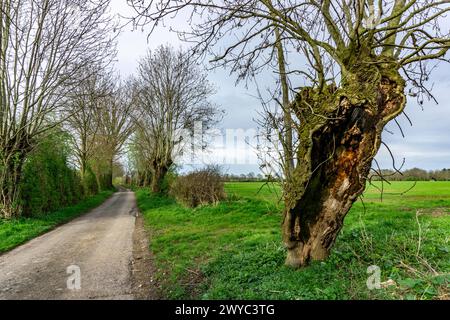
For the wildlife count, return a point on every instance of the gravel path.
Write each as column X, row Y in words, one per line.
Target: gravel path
column 99, row 245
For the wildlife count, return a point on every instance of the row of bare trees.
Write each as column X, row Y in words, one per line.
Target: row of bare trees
column 55, row 72
column 170, row 94
column 45, row 49
column 101, row 126
column 344, row 71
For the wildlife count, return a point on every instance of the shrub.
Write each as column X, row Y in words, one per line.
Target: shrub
column 200, row 187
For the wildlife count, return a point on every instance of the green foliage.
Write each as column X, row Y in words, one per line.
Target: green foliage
column 90, row 183
column 48, row 183
column 104, row 181
column 17, row 231
column 236, row 246
column 169, row 179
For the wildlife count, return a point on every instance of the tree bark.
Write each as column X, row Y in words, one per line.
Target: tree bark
column 10, row 179
column 109, row 174
column 340, row 136
column 158, row 174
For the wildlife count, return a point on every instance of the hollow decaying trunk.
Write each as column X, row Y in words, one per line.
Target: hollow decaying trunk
column 335, row 157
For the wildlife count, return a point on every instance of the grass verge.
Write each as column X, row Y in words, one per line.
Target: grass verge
column 234, row 250
column 17, row 231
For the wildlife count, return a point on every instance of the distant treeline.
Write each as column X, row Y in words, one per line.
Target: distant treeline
column 415, row 174
column 244, row 177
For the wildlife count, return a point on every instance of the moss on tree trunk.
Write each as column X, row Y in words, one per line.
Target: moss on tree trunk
column 158, row 174
column 339, row 137
column 10, row 177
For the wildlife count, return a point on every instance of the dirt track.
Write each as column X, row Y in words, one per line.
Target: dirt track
column 100, row 243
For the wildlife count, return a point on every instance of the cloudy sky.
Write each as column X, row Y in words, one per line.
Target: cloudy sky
column 426, row 145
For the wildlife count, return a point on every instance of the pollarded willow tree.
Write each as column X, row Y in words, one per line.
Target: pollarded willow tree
column 360, row 56
column 44, row 45
column 171, row 94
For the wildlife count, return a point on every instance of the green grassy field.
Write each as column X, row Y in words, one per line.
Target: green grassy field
column 234, row 250
column 17, row 231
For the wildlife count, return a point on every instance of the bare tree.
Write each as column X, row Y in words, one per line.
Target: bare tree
column 171, row 94
column 44, row 44
column 102, row 123
column 88, row 98
column 355, row 58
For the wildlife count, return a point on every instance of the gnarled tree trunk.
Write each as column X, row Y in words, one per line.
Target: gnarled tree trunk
column 10, row 178
column 159, row 171
column 340, row 136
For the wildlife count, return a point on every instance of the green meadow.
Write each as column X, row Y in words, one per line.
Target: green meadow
column 233, row 250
